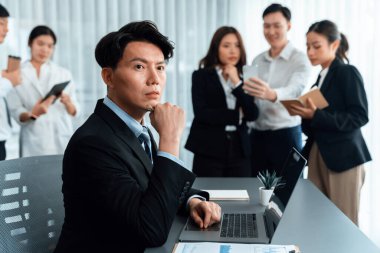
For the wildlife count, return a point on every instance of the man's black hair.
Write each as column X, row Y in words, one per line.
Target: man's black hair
column 3, row 12
column 110, row 48
column 278, row 8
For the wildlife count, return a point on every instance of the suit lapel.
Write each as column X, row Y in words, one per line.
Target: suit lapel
column 125, row 134
column 218, row 89
column 30, row 74
column 327, row 81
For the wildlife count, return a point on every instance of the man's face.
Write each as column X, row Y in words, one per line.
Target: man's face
column 3, row 29
column 137, row 83
column 276, row 27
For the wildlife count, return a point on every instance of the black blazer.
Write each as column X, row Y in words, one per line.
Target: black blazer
column 336, row 129
column 211, row 115
column 115, row 199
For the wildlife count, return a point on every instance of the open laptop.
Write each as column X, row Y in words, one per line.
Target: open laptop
column 251, row 224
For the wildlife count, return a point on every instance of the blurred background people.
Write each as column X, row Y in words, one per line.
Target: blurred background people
column 7, row 81
column 283, row 72
column 218, row 135
column 46, row 126
column 335, row 146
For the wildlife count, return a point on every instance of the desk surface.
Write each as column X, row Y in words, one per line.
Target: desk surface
column 310, row 220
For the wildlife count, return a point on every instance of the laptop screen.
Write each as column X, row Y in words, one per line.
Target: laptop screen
column 291, row 172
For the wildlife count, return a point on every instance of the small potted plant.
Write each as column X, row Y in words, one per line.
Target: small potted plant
column 270, row 181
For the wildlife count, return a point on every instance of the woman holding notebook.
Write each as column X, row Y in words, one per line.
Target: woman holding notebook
column 335, row 147
column 46, row 124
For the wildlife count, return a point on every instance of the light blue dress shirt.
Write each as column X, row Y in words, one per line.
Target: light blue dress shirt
column 137, row 128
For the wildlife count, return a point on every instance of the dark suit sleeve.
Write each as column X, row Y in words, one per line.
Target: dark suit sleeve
column 183, row 209
column 355, row 113
column 112, row 189
column 306, row 128
column 249, row 107
column 202, row 111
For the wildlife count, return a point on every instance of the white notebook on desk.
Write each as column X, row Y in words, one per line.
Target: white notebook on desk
column 228, row 194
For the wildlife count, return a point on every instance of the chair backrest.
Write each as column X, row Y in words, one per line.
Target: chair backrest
column 31, row 204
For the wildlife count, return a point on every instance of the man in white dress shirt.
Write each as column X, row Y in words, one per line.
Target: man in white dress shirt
column 7, row 81
column 283, row 72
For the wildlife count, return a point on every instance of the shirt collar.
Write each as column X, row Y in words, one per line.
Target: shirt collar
column 135, row 126
column 322, row 75
column 324, row 72
column 47, row 63
column 219, row 70
column 285, row 53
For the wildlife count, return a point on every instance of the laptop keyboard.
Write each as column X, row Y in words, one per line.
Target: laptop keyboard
column 239, row 225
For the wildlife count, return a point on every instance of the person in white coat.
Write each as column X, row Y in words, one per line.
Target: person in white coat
column 46, row 126
column 8, row 79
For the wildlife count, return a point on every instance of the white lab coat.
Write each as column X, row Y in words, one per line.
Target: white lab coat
column 49, row 133
column 5, row 128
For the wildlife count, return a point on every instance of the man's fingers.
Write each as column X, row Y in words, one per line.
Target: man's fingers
column 250, row 88
column 216, row 214
column 197, row 219
column 206, row 214
column 207, row 211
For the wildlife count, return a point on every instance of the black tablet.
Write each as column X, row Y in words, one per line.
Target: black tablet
column 56, row 90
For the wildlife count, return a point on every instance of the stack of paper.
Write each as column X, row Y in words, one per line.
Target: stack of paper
column 228, row 194
column 211, row 247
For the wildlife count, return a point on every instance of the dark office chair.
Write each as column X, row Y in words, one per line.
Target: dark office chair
column 31, row 204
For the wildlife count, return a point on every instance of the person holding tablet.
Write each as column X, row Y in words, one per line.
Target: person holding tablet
column 46, row 124
column 283, row 72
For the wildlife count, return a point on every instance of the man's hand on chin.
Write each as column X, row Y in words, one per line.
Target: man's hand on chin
column 204, row 213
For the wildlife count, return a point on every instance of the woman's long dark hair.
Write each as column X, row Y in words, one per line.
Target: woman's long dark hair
column 212, row 57
column 331, row 32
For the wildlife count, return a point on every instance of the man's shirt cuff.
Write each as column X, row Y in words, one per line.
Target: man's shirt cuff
column 194, row 196
column 171, row 157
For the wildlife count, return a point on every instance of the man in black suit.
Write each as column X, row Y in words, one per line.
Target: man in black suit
column 121, row 192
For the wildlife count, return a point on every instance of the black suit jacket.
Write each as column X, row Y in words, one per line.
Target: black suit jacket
column 115, row 199
column 336, row 129
column 211, row 115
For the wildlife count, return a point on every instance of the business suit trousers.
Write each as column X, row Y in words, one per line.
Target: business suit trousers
column 270, row 148
column 342, row 188
column 2, row 151
column 233, row 164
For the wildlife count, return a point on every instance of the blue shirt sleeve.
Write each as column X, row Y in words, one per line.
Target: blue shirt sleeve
column 171, row 157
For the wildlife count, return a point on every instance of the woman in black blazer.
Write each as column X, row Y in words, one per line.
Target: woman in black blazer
column 335, row 146
column 219, row 134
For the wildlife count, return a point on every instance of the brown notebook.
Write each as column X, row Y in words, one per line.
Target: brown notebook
column 315, row 95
